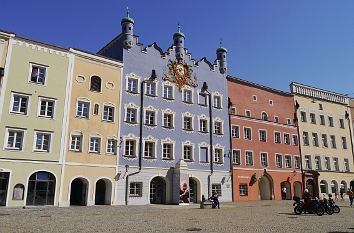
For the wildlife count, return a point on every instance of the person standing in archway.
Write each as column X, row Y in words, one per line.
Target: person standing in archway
column 283, row 193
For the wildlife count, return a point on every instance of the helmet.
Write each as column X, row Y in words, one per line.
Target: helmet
column 306, row 190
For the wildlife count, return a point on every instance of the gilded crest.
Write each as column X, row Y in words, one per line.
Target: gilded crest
column 181, row 74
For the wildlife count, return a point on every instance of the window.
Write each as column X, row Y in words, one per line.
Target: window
column 150, row 88
column 315, row 139
column 344, row 143
column 330, row 121
column 149, row 150
column 131, row 115
column 218, row 127
column 288, row 161
column 236, row 157
column 346, row 165
column 303, row 116
column 297, row 162
column 249, row 158
column 168, row 120
column 95, row 145
column 341, row 123
column 323, row 186
column 276, row 119
column 308, row 163
column 129, row 148
column 204, row 154
column 262, row 135
column 14, row 139
column 216, row 188
column 111, row 146
column 327, row 162
column 76, row 143
column 243, row 190
column 322, row 120
column 271, row 103
column 248, row 113
column 277, row 137
column 218, row 156
column 19, row 104
column 187, row 96
column 333, row 141
column 46, row 108
column 149, row 118
column 187, row 123
column 82, row 109
column 203, row 125
column 168, row 92
column 313, row 118
column 318, row 163
column 287, row 138
column 305, row 137
column 132, row 85
column 19, row 190
column 96, row 109
column 203, row 99
column 95, row 84
column 295, row 140
column 108, row 113
column 187, row 153
column 136, row 189
column 167, row 151
column 235, row 131
column 336, row 164
column 38, row 74
column 248, row 133
column 264, row 159
column 279, row 160
column 324, row 140
column 217, row 102
column 42, row 142
column 264, row 116
column 233, row 110
column 320, row 107
column 254, row 97
column 288, row 121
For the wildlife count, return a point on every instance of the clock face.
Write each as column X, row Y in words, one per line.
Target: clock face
column 180, row 69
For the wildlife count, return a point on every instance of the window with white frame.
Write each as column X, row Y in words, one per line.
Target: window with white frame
column 318, row 163
column 131, row 115
column 168, row 120
column 264, row 116
column 108, row 113
column 277, row 137
column 111, row 146
column 218, row 156
column 308, row 163
column 136, row 189
column 42, row 141
column 346, row 165
column 335, row 164
column 168, row 92
column 315, row 139
column 303, row 116
column 76, row 142
column 217, row 101
column 305, row 137
column 38, row 74
column 14, row 139
column 132, row 85
column 286, row 138
column 327, row 162
column 324, row 140
column 248, row 113
column 341, row 123
column 330, row 121
column 46, row 108
column 247, row 132
column 150, row 88
column 187, row 123
column 344, row 143
column 82, row 109
column 296, row 162
column 203, row 99
column 218, row 127
column 19, row 104
column 130, row 148
column 279, row 160
column 203, row 125
column 187, row 96
column 295, row 140
column 96, row 83
column 150, row 118
column 243, row 190
column 149, row 149
column 249, row 158
column 95, row 145
column 313, row 118
column 271, row 102
column 188, row 153
column 264, row 159
column 236, row 157
column 262, row 135
column 204, row 154
column 322, row 120
column 216, row 188
column 167, row 150
column 288, row 161
column 235, row 131
column 333, row 141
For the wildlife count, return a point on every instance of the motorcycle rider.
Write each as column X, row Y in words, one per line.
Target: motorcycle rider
column 307, row 198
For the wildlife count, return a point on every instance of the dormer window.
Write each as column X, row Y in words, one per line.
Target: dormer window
column 95, row 84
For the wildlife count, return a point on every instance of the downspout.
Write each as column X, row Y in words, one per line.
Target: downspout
column 231, row 168
column 211, row 145
column 299, row 143
column 347, row 115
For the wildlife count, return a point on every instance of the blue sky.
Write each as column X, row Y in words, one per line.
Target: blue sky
column 270, row 42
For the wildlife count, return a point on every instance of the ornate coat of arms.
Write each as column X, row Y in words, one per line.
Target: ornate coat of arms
column 181, row 74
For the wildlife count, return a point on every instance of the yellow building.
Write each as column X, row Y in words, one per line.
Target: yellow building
column 90, row 162
column 325, row 139
column 4, row 44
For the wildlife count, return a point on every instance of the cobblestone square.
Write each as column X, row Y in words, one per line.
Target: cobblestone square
column 261, row 216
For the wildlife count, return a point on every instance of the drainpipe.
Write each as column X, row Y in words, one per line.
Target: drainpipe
column 231, row 168
column 299, row 143
column 211, row 145
column 350, row 131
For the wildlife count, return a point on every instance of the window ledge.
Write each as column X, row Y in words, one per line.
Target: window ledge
column 188, row 160
column 203, row 105
column 203, row 132
column 19, row 113
column 130, row 156
column 168, row 98
column 219, row 162
column 167, row 159
column 150, row 125
column 217, row 107
column 219, row 134
column 206, row 162
column 151, row 95
column 166, row 127
column 13, row 149
column 94, row 152
column 144, row 157
column 131, row 122
column 188, row 129
column 187, row 102
column 132, row 92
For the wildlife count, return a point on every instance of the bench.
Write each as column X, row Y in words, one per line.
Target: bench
column 206, row 205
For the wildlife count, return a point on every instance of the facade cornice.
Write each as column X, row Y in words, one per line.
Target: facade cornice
column 262, row 121
column 96, row 57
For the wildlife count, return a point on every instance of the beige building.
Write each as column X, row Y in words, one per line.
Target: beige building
column 4, row 44
column 325, row 139
column 90, row 162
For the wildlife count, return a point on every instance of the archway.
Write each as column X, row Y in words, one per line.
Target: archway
column 41, row 189
column 334, row 187
column 266, row 187
column 158, row 191
column 343, row 186
column 103, row 192
column 78, row 193
column 297, row 189
column 352, row 184
column 194, row 190
column 287, row 186
column 310, row 186
column 4, row 182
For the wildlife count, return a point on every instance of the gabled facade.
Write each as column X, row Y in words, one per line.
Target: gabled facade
column 171, row 144
column 265, row 149
column 325, row 139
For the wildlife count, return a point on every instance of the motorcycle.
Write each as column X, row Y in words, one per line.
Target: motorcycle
column 325, row 204
column 332, row 204
column 313, row 207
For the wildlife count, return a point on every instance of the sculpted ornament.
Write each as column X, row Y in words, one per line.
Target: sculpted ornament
column 181, row 74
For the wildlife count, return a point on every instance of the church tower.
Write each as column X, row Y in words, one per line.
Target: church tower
column 221, row 57
column 127, row 30
column 178, row 41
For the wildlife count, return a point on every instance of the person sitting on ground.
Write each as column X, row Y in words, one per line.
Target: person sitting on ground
column 216, row 199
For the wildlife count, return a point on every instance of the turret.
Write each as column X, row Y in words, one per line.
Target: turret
column 221, row 57
column 178, row 41
column 127, row 30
